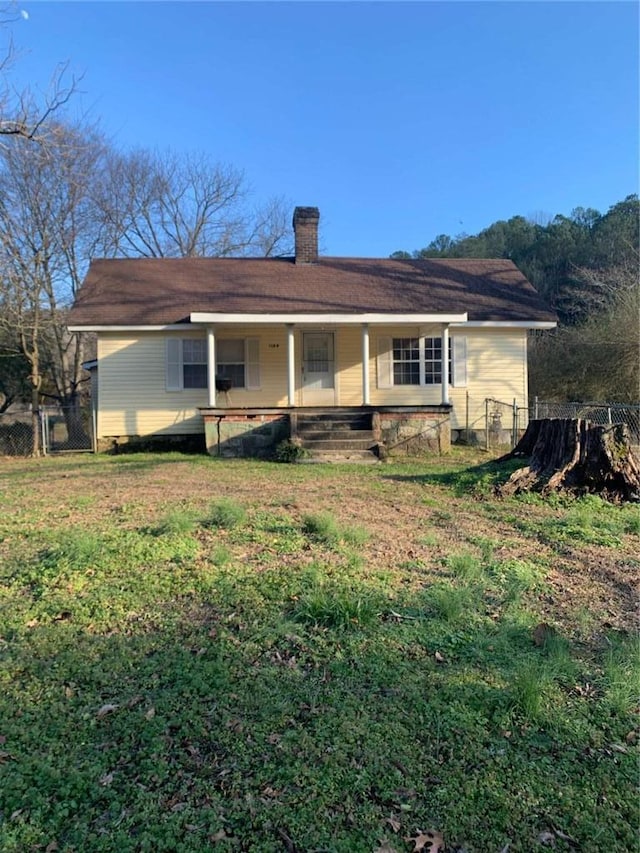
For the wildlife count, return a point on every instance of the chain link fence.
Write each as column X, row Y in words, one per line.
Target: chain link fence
column 61, row 429
column 505, row 423
column 16, row 434
column 604, row 414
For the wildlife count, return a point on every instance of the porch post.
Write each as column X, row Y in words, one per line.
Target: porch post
column 445, row 365
column 211, row 366
column 366, row 396
column 291, row 365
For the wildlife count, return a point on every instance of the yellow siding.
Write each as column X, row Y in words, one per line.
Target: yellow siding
column 496, row 367
column 131, row 389
column 349, row 366
column 133, row 399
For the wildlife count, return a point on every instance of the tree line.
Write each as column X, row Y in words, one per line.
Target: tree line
column 72, row 196
column 586, row 266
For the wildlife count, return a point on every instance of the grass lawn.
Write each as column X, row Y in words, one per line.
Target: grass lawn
column 238, row 656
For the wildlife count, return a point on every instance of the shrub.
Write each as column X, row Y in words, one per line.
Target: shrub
column 290, row 450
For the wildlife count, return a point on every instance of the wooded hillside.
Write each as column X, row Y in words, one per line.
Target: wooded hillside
column 586, row 266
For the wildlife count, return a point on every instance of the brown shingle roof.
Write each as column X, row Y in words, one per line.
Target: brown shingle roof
column 159, row 291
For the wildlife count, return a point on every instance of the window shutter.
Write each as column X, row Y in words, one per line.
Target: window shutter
column 173, row 375
column 252, row 355
column 385, row 362
column 459, row 359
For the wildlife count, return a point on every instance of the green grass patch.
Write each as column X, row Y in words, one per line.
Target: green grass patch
column 323, row 528
column 188, row 673
column 226, row 513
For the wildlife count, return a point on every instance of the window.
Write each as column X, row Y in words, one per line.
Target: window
column 417, row 361
column 406, row 361
column 237, row 359
column 433, row 361
column 194, row 363
column 412, row 356
column 230, row 362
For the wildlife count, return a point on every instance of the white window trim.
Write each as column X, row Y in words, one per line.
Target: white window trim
column 458, row 367
column 174, row 364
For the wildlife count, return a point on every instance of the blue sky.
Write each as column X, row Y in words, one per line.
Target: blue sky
column 400, row 121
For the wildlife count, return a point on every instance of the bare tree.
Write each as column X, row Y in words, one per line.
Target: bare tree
column 48, row 232
column 168, row 205
column 23, row 113
column 599, row 358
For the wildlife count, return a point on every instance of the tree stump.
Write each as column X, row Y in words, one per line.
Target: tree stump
column 577, row 456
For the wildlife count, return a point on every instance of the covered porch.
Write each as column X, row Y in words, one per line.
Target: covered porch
column 329, row 360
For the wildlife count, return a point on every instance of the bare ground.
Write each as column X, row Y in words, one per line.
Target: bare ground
column 410, row 519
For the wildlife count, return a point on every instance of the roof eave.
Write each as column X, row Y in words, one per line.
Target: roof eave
column 507, row 324
column 213, row 318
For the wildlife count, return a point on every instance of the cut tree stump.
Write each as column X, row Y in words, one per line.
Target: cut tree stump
column 577, row 456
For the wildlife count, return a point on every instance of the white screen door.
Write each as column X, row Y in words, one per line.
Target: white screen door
column 318, row 369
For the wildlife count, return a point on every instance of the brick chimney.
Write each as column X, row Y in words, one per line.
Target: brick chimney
column 305, row 228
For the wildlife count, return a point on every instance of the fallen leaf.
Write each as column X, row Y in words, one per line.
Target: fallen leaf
column 547, row 838
column 394, row 823
column 150, row 714
column 439, row 658
column 542, row 633
column 385, row 848
column 565, row 837
column 192, row 827
column 106, row 780
column 106, row 709
column 51, row 847
column 431, row 842
column 632, row 737
column 220, row 835
column 6, row 756
column 618, row 747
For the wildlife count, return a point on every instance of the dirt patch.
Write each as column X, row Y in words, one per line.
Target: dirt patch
column 410, row 521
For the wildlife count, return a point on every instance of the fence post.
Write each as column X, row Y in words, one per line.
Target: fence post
column 42, row 417
column 535, row 408
column 514, row 429
column 486, row 423
column 94, row 429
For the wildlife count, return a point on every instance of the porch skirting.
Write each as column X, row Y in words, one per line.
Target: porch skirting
column 397, row 430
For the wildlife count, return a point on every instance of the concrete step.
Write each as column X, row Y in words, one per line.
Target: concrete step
column 360, row 457
column 311, row 424
column 312, row 435
column 346, row 444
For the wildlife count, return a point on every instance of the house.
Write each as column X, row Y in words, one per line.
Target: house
column 401, row 353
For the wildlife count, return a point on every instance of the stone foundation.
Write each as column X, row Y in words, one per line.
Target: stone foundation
column 413, row 433
column 245, row 435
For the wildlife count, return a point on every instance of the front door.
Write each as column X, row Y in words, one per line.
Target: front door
column 318, row 369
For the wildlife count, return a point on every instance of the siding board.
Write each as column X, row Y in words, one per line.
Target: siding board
column 133, row 399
